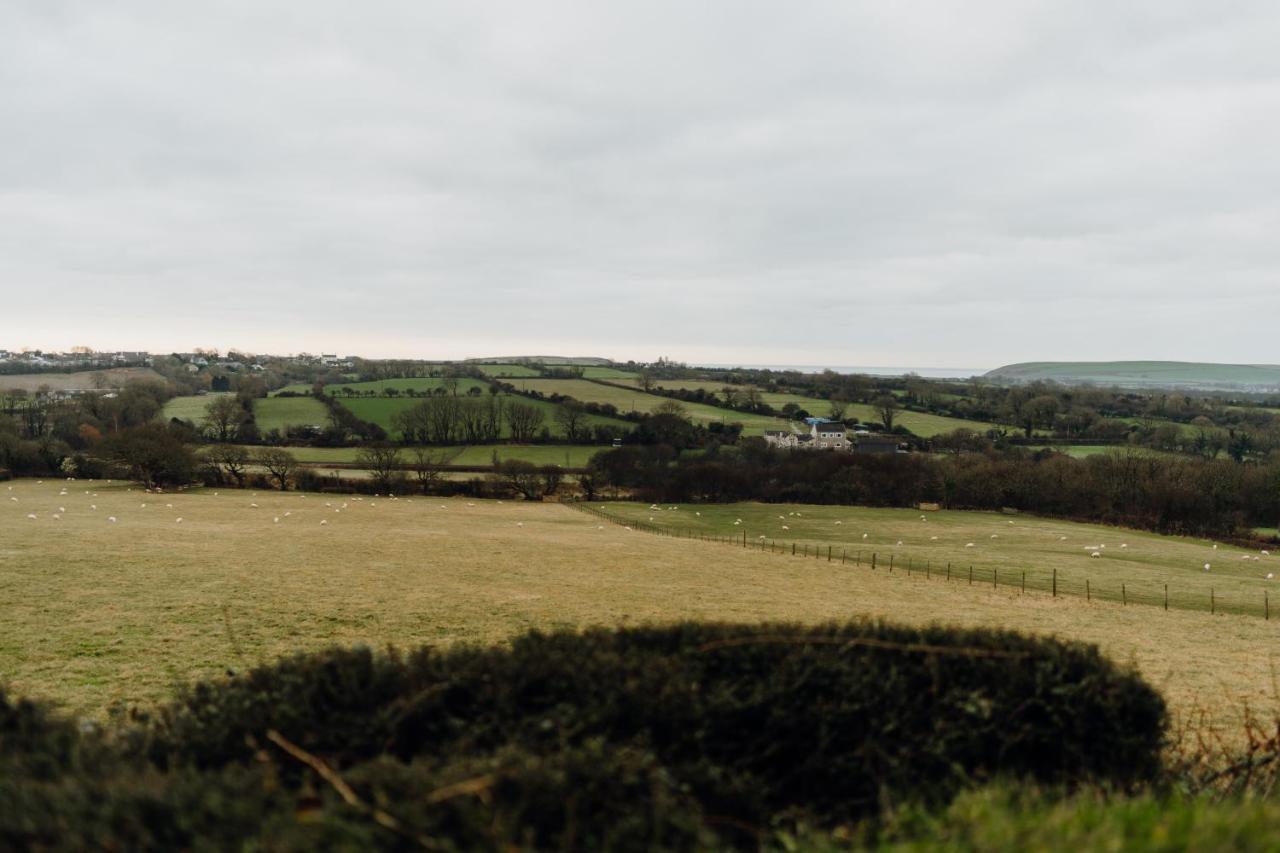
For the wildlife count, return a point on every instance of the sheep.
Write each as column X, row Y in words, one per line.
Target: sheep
column 519, row 524
column 323, row 522
column 933, row 538
column 143, row 506
column 93, row 506
column 1124, row 545
column 253, row 506
column 1207, row 567
column 57, row 517
column 1270, row 575
column 899, row 541
column 31, row 515
column 1266, row 553
column 111, row 519
column 864, row 536
column 1095, row 554
column 168, row 506
column 62, row 509
column 15, row 500
column 995, row 535
column 784, row 527
column 968, row 545
column 698, row 514
column 275, row 520
column 177, row 520
column 287, row 514
column 839, row 522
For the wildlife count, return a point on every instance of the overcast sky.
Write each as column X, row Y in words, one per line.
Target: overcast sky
column 889, row 183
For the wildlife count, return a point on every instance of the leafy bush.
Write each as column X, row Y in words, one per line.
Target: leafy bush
column 688, row 736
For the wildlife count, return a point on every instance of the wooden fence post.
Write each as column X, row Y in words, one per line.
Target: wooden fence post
column 1055, row 583
column 1124, row 596
column 1166, row 596
column 1266, row 606
column 1088, row 594
column 890, row 564
column 970, row 575
column 1024, row 581
column 948, row 571
column 1213, row 608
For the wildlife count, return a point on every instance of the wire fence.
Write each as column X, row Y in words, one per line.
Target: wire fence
column 1146, row 593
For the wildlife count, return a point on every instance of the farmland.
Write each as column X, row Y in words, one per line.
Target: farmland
column 86, row 380
column 420, row 385
column 269, row 412
column 1144, row 374
column 1002, row 547
column 638, row 401
column 382, row 411
column 107, row 613
column 566, row 455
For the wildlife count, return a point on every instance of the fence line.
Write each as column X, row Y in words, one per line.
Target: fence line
column 1124, row 592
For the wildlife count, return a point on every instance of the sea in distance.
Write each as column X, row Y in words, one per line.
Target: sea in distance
column 928, row 372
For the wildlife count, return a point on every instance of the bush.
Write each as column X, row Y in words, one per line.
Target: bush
column 689, row 736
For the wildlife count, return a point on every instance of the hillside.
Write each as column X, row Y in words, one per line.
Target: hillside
column 577, row 361
column 1145, row 374
column 85, row 380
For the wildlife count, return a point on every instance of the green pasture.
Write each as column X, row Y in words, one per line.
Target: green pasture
column 999, row 547
column 189, row 408
column 505, row 371
column 382, row 411
column 628, row 401
column 610, row 373
column 281, row 412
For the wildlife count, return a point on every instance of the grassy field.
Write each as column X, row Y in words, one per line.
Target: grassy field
column 382, row 411
column 505, row 371
column 97, row 612
column 189, row 408
column 610, row 373
column 1084, row 451
column 627, row 401
column 380, row 386
column 85, row 380
column 269, row 412
column 1003, row 548
column 577, row 455
column 1143, row 374
column 924, row 425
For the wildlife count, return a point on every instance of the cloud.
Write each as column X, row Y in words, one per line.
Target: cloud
column 843, row 183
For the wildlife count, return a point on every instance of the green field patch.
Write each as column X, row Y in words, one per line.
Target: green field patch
column 283, row 412
column 627, row 400
column 189, row 408
column 999, row 547
column 382, row 411
column 504, row 371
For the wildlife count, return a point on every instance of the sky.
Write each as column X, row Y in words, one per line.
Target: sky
column 844, row 183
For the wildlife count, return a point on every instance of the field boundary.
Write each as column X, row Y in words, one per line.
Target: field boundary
column 1123, row 592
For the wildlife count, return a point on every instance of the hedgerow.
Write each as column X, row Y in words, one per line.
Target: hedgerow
column 687, row 736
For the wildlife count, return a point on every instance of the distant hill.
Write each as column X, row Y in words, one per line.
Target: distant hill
column 577, row 361
column 1191, row 375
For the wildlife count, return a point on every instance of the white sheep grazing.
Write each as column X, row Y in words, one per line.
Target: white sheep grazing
column 519, row 524
column 144, row 506
column 275, row 520
column 287, row 514
column 253, row 506
column 1266, row 553
column 968, row 545
column 64, row 509
column 1206, row 567
column 177, row 521
column 1062, row 539
column 995, row 535
column 323, row 522
column 168, row 506
column 599, row 527
column 111, row 519
column 899, row 541
column 933, row 538
column 1124, row 545
column 839, row 522
column 1270, row 575
column 1215, row 546
column 864, row 536
column 31, row 515
column 698, row 514
column 1095, row 554
column 57, row 517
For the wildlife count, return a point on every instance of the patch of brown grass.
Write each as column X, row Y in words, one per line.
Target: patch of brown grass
column 96, row 613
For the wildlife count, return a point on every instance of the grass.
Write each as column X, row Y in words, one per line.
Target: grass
column 189, row 408
column 281, row 412
column 627, row 400
column 1003, row 548
column 1144, row 374
column 577, row 455
column 504, row 371
column 382, row 411
column 612, row 373
column 97, row 613
column 85, row 380
column 1083, row 451
column 269, row 412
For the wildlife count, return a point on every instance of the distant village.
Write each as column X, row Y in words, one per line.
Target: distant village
column 84, row 358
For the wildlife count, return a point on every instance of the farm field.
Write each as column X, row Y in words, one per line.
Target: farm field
column 627, row 401
column 1003, row 547
column 1084, row 451
column 1143, row 374
column 422, row 384
column 577, row 455
column 924, row 425
column 269, row 412
column 120, row 612
column 85, row 380
column 190, row 408
column 382, row 411
column 504, row 371
column 611, row 373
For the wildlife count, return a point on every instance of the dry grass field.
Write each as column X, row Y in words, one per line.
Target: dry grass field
column 86, row 380
column 97, row 612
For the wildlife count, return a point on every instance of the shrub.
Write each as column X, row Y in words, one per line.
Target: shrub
column 692, row 736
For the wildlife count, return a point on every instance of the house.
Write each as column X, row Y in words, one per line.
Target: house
column 823, row 435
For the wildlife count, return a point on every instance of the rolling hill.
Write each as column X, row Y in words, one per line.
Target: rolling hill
column 1145, row 374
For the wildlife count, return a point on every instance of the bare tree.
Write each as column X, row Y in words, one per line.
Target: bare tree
column 524, row 420
column 730, row 395
column 837, row 408
column 280, row 464
column 521, row 477
column 572, row 419
column 886, row 406
column 426, row 465
column 382, row 460
column 222, row 416
column 231, row 460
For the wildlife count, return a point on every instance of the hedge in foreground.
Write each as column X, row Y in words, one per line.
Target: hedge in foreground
column 688, row 736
